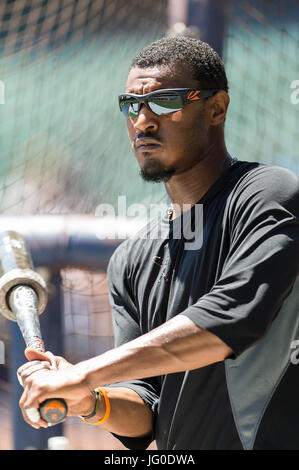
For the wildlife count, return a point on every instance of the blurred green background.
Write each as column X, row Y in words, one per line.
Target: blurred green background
column 63, row 141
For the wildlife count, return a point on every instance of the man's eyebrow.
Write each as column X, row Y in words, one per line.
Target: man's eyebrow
column 131, row 91
column 134, row 92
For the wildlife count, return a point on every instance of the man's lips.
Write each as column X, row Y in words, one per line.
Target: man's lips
column 146, row 143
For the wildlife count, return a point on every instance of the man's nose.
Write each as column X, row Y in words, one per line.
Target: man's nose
column 146, row 120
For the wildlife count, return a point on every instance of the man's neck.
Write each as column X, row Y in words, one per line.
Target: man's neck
column 189, row 187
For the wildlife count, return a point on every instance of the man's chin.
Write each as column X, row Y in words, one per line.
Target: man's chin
column 156, row 175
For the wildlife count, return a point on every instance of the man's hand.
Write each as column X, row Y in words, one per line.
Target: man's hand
column 49, row 376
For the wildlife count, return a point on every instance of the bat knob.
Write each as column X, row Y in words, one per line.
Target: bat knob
column 53, row 410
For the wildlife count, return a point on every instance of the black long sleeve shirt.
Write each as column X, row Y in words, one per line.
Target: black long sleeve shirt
column 239, row 284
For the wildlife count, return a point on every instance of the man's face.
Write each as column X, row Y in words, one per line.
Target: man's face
column 171, row 143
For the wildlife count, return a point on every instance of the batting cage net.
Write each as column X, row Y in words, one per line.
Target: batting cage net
column 63, row 142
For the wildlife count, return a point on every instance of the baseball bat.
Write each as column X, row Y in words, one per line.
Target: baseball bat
column 23, row 297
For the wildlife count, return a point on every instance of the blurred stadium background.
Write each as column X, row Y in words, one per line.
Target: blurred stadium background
column 63, row 143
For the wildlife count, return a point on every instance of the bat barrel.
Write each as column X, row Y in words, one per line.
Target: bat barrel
column 23, row 302
column 16, row 270
column 13, row 252
column 23, row 297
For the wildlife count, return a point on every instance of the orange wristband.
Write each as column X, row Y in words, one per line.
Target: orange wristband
column 107, row 410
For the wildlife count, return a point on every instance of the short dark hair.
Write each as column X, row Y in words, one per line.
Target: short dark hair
column 206, row 65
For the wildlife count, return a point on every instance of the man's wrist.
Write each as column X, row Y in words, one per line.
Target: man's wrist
column 93, row 413
column 101, row 411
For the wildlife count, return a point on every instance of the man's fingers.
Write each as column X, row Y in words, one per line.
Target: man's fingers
column 32, row 414
column 27, row 365
column 25, row 371
column 27, row 416
column 52, row 359
column 20, row 379
column 30, row 411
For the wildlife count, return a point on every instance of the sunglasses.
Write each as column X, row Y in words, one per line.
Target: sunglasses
column 161, row 102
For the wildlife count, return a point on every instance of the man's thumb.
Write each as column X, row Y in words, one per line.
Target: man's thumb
column 33, row 355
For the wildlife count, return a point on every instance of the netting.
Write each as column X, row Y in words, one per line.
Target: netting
column 261, row 55
column 63, row 142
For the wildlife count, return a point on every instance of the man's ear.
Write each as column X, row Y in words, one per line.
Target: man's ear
column 218, row 108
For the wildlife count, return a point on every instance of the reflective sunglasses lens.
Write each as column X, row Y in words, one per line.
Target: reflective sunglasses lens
column 124, row 105
column 129, row 107
column 163, row 104
column 133, row 109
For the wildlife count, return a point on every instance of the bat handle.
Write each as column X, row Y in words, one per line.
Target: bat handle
column 23, row 301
